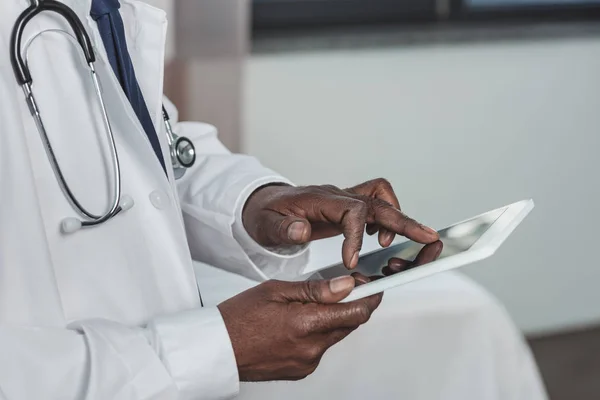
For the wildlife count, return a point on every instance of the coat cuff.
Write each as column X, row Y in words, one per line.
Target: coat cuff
column 196, row 350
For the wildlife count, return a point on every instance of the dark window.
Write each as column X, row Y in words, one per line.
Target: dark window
column 311, row 14
column 282, row 14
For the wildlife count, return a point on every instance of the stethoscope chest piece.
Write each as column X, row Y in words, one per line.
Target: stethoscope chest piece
column 185, row 152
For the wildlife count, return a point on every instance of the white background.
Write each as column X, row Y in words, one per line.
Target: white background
column 458, row 130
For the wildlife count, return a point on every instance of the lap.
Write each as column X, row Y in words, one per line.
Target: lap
column 439, row 338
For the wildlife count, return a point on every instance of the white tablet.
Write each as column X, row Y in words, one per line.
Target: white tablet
column 461, row 244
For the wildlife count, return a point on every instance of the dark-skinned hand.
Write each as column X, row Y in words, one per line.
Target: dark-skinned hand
column 280, row 330
column 428, row 253
column 279, row 214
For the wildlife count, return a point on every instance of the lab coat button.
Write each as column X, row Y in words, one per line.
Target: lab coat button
column 159, row 199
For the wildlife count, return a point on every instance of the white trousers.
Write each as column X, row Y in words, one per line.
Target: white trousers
column 442, row 337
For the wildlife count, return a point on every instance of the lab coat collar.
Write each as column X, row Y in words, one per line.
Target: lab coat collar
column 81, row 7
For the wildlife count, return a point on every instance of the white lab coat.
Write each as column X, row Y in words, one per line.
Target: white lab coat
column 114, row 312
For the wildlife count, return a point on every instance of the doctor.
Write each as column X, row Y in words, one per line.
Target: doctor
column 112, row 311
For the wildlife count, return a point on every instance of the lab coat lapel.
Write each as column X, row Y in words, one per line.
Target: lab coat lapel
column 146, row 35
column 146, row 30
column 129, row 269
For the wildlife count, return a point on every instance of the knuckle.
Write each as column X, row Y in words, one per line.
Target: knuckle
column 378, row 299
column 311, row 188
column 403, row 222
column 312, row 368
column 358, row 206
column 361, row 212
column 313, row 290
column 383, row 183
column 272, row 284
column 363, row 313
column 279, row 226
column 312, row 355
column 321, row 189
column 298, row 376
column 304, row 327
column 294, row 328
column 272, row 289
column 332, row 188
column 381, row 204
column 299, row 329
column 410, row 223
column 303, row 372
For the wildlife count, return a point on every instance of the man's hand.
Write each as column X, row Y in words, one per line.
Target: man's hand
column 280, row 330
column 279, row 214
column 427, row 254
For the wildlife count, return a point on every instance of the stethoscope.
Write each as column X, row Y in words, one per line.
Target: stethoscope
column 182, row 151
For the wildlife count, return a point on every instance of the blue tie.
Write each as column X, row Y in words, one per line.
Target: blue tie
column 110, row 24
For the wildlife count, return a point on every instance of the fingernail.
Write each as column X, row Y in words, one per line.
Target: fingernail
column 437, row 254
column 429, row 230
column 389, row 237
column 354, row 260
column 341, row 284
column 296, row 231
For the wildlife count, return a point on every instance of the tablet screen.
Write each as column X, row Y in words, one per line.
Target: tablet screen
column 454, row 239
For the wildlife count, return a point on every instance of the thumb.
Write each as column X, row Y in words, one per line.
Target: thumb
column 320, row 291
column 286, row 229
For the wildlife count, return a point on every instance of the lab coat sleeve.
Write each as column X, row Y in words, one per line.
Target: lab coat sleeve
column 212, row 195
column 183, row 356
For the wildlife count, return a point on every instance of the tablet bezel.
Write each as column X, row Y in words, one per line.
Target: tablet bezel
column 484, row 247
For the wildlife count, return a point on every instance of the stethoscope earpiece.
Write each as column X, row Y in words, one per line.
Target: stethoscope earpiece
column 126, row 202
column 70, row 225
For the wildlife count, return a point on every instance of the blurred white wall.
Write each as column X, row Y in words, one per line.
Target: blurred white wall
column 207, row 42
column 169, row 7
column 458, row 130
